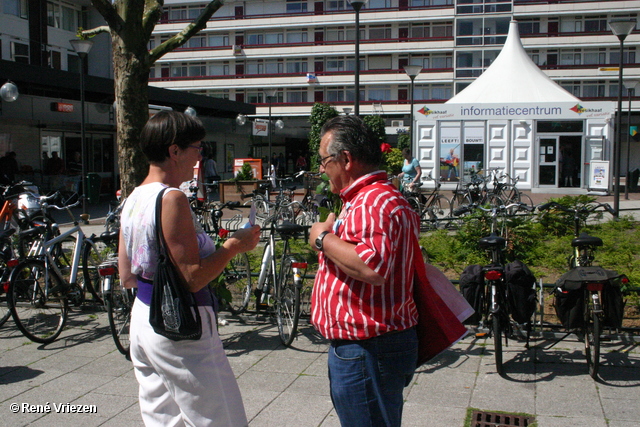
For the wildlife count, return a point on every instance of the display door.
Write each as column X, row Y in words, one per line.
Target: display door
column 548, row 161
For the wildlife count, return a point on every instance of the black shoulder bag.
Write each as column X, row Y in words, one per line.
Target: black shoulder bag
column 173, row 312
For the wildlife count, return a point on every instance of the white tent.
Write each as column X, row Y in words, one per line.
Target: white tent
column 512, row 77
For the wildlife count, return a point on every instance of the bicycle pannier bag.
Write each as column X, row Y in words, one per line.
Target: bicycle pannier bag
column 612, row 301
column 521, row 293
column 569, row 305
column 471, row 286
column 173, row 312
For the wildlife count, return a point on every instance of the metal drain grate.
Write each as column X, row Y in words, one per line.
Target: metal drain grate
column 500, row 419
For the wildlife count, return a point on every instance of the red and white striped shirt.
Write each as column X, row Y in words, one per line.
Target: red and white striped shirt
column 377, row 218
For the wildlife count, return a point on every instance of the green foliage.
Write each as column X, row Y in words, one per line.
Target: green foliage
column 404, row 141
column 245, row 173
column 376, row 124
column 392, row 162
column 320, row 114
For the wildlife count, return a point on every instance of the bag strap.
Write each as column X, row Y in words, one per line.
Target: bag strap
column 162, row 244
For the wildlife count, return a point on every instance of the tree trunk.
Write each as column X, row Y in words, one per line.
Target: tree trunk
column 131, row 77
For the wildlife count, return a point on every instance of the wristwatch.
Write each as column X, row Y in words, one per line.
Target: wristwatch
column 319, row 240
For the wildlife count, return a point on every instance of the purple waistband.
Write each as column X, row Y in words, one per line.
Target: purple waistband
column 203, row 297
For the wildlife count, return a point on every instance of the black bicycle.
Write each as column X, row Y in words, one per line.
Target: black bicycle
column 585, row 290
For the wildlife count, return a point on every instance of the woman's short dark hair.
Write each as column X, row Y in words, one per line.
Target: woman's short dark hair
column 406, row 152
column 166, row 128
column 351, row 134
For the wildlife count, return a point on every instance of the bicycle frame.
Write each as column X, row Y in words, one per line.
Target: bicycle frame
column 77, row 251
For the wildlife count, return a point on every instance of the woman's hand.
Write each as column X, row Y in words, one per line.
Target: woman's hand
column 243, row 240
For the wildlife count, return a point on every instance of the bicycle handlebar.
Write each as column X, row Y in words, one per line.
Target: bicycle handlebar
column 493, row 209
column 586, row 209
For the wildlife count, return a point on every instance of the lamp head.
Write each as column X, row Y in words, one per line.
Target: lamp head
column 9, row 91
column 622, row 27
column 412, row 70
column 279, row 124
column 190, row 111
column 357, row 4
column 241, row 119
column 270, row 92
column 82, row 47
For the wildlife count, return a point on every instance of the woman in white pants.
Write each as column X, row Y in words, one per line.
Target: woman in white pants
column 181, row 382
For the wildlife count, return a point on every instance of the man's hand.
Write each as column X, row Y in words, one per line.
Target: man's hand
column 319, row 227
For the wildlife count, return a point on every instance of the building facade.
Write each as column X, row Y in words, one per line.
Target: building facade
column 305, row 50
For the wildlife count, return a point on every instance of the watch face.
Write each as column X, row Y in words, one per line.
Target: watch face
column 319, row 240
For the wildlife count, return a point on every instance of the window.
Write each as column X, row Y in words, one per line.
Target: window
column 440, row 91
column 221, row 95
column 441, row 61
column 194, row 12
column 529, row 27
column 334, row 95
column 297, row 95
column 296, row 6
column 629, row 56
column 219, row 69
column 382, row 93
column 255, row 97
column 296, row 66
column 53, row 14
column 17, row 8
column 335, row 64
column 595, row 24
column 254, row 67
column 218, row 40
column 571, row 58
column 69, row 19
column 571, row 25
column 336, row 5
column 197, row 42
column 255, row 39
column 595, row 56
column 380, row 32
column 178, row 14
column 273, row 67
column 378, row 4
column 273, row 38
column 335, row 34
column 20, row 52
column 197, row 69
column 179, row 70
column 297, row 37
column 55, row 60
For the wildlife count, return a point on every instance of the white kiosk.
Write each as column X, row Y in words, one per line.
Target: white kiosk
column 514, row 117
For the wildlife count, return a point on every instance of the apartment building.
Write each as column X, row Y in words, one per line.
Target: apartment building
column 305, row 50
column 37, row 57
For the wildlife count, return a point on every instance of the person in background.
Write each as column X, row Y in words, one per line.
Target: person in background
column 362, row 298
column 180, row 382
column 56, row 164
column 411, row 171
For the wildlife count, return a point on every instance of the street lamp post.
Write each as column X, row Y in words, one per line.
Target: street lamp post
column 630, row 85
column 621, row 28
column 82, row 48
column 412, row 71
column 357, row 5
column 270, row 94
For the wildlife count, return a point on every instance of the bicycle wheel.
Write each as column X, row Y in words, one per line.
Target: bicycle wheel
column 415, row 204
column 509, row 194
column 592, row 331
column 119, row 302
column 38, row 308
column 497, row 341
column 262, row 210
column 5, row 313
column 237, row 276
column 288, row 301
column 95, row 252
column 437, row 210
column 458, row 201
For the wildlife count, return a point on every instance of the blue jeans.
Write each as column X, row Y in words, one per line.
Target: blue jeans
column 367, row 378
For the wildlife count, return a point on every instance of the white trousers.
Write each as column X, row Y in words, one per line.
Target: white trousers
column 184, row 382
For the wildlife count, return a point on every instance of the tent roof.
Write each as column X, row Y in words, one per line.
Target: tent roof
column 512, row 78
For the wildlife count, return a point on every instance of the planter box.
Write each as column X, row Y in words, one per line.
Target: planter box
column 231, row 191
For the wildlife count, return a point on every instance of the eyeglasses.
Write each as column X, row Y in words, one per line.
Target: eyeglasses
column 197, row 147
column 324, row 161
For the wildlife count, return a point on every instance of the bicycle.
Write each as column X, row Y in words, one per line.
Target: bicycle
column 586, row 279
column 432, row 207
column 280, row 289
column 39, row 292
column 496, row 306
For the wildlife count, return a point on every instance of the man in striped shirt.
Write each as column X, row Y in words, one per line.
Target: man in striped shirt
column 363, row 294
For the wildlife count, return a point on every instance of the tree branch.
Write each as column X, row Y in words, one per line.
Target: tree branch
column 184, row 35
column 110, row 14
column 94, row 31
column 151, row 16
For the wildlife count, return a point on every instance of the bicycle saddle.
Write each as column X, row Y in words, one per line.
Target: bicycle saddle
column 289, row 228
column 491, row 240
column 585, row 240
